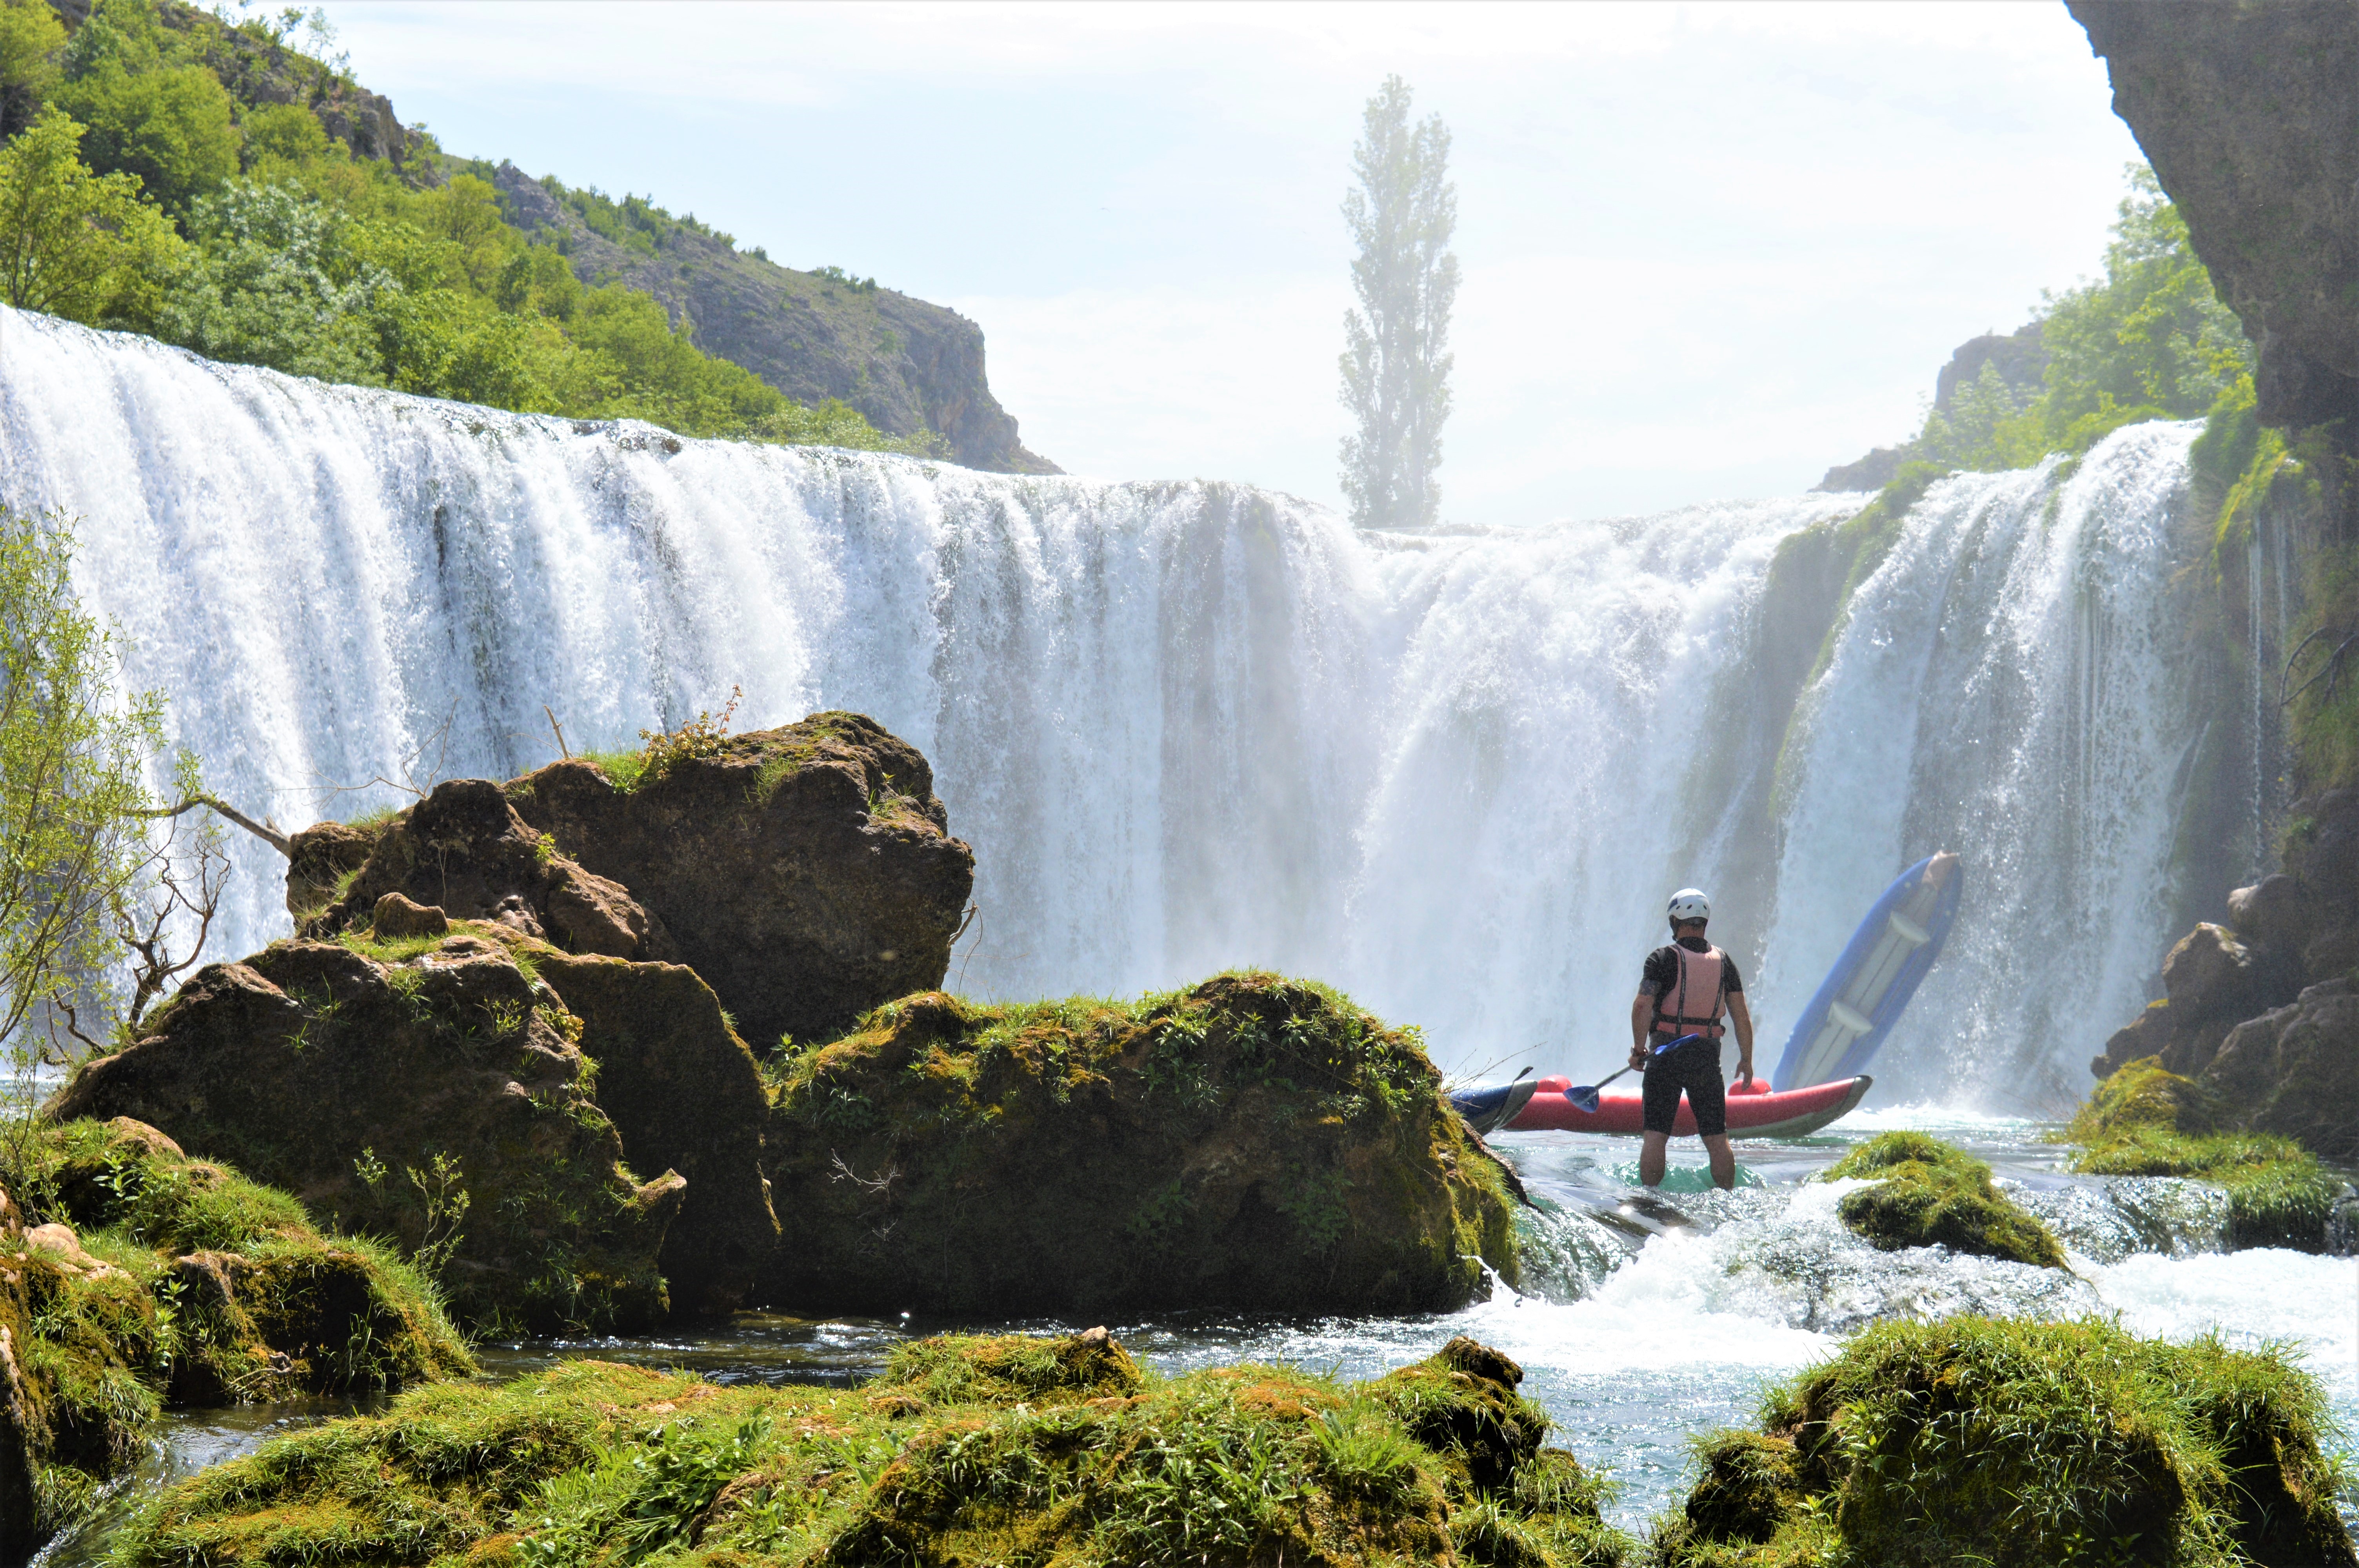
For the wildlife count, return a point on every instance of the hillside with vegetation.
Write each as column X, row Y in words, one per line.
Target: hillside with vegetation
column 227, row 186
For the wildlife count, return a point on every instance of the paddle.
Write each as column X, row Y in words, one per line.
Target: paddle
column 1585, row 1095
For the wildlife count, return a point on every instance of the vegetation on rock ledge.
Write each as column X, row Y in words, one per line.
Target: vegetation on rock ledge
column 966, row 1451
column 1253, row 1141
column 1929, row 1193
column 139, row 1276
column 2016, row 1444
column 2144, row 1121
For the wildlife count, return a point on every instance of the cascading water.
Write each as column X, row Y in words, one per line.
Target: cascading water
column 1185, row 726
column 1190, row 725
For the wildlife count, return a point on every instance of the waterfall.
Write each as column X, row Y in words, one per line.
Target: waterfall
column 1184, row 725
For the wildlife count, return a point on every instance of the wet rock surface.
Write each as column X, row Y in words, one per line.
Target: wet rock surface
column 807, row 873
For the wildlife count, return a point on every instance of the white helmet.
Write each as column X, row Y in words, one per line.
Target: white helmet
column 1690, row 903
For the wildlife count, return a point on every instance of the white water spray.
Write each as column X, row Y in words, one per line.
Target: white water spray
column 1184, row 725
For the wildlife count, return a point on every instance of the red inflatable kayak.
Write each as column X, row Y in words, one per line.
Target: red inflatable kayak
column 1758, row 1112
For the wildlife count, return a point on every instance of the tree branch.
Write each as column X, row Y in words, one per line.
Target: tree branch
column 266, row 831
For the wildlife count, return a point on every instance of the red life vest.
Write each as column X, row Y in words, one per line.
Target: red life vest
column 1695, row 1001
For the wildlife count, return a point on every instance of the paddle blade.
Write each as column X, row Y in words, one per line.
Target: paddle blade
column 1584, row 1096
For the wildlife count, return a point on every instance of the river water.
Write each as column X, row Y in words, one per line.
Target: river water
column 1653, row 1319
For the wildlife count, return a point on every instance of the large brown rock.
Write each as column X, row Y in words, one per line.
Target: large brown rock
column 2295, row 1071
column 463, row 851
column 2208, row 974
column 808, row 873
column 684, row 1092
column 1251, row 1144
column 342, row 1077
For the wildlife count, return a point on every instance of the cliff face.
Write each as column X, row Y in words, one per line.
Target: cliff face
column 2249, row 115
column 906, row 364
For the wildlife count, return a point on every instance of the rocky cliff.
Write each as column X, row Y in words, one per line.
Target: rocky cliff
column 2249, row 116
column 906, row 364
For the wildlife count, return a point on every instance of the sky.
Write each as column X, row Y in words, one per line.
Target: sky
column 1708, row 251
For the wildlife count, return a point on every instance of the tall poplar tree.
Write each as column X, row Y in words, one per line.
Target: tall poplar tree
column 1395, row 364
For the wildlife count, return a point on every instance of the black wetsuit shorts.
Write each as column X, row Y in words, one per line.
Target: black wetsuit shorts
column 1695, row 1067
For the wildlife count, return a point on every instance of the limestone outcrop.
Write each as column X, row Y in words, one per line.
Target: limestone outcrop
column 2273, row 983
column 2247, row 114
column 807, row 873
column 424, row 1089
column 465, row 851
column 1252, row 1143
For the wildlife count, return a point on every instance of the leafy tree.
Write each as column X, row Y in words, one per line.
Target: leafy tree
column 75, row 755
column 1394, row 365
column 74, row 243
column 2151, row 335
column 170, row 127
column 285, row 136
column 2148, row 341
column 274, row 285
column 31, row 37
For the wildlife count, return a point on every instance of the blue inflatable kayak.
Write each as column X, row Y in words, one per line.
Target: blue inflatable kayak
column 1862, row 995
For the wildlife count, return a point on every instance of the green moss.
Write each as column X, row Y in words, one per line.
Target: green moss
column 195, row 1285
column 2145, row 1120
column 1253, row 1141
column 2019, row 1443
column 1929, row 1193
column 970, row 1451
column 2142, row 1094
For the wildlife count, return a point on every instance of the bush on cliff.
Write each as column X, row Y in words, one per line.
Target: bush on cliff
column 138, row 1276
column 1929, row 1193
column 2145, row 1120
column 2020, row 1444
column 966, row 1451
column 1252, row 1142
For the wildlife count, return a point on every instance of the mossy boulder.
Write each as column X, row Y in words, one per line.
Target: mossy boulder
column 1928, row 1193
column 1251, row 1144
column 428, row 1090
column 2147, row 1120
column 808, row 872
column 145, row 1277
column 465, row 851
column 2020, row 1444
column 965, row 1451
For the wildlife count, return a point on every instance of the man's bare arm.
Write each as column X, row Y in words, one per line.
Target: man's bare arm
column 1642, row 1013
column 1743, row 1018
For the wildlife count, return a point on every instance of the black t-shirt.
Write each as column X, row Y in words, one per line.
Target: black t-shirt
column 1663, row 968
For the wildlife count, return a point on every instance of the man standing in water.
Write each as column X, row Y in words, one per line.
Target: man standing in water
column 1685, row 989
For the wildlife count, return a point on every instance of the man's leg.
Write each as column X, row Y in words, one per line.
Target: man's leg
column 1650, row 1158
column 1723, row 1161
